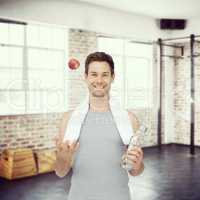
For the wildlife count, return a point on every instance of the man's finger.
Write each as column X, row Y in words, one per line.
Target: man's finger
column 77, row 146
column 130, row 162
column 55, row 139
column 134, row 153
column 64, row 145
column 66, row 142
column 132, row 158
column 73, row 146
column 138, row 150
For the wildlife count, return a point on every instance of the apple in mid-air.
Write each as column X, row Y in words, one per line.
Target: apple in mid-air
column 73, row 63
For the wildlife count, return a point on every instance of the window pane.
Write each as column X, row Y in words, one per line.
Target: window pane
column 15, row 56
column 45, row 36
column 59, row 38
column 56, row 60
column 45, row 59
column 138, row 82
column 12, row 102
column 16, row 79
column 138, row 99
column 40, row 102
column 5, row 79
column 11, row 56
column 16, row 34
column 54, row 101
column 138, row 72
column 111, row 46
column 38, row 58
column 4, row 33
column 138, row 50
column 117, row 85
column 32, row 35
column 45, row 79
column 118, row 82
column 11, row 79
column 4, row 61
column 34, row 103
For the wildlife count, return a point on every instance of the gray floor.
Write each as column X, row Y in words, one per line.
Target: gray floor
column 170, row 174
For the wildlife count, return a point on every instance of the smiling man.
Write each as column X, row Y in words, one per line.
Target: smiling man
column 95, row 157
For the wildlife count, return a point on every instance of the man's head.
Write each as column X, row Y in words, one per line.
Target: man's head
column 99, row 73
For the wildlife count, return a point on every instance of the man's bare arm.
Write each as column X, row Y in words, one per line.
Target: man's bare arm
column 63, row 163
column 140, row 165
column 134, row 121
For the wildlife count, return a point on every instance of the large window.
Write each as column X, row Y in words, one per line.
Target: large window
column 32, row 69
column 133, row 86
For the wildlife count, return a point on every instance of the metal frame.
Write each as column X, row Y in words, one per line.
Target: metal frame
column 192, row 92
column 9, row 21
column 180, row 38
column 159, row 126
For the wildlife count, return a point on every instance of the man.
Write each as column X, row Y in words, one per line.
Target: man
column 95, row 158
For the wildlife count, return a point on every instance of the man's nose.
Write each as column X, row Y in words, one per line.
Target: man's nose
column 99, row 79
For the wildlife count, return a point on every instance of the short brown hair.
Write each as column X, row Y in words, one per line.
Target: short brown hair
column 101, row 57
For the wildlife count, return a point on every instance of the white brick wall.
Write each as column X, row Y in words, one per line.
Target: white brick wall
column 182, row 88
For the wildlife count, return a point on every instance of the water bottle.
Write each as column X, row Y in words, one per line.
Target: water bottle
column 135, row 141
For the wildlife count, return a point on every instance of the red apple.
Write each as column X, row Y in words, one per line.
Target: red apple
column 73, row 63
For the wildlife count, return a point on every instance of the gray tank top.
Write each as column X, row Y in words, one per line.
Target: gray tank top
column 97, row 174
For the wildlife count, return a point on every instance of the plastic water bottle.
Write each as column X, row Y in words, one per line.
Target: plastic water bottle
column 135, row 141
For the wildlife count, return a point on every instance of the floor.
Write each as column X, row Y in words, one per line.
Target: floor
column 170, row 174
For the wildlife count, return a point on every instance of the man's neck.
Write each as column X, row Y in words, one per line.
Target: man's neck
column 99, row 104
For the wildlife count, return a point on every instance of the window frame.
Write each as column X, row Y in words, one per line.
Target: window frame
column 25, row 88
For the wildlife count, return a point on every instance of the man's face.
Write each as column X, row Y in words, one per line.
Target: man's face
column 99, row 78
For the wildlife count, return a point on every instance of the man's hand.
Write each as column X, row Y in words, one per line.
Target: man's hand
column 135, row 158
column 66, row 150
column 65, row 155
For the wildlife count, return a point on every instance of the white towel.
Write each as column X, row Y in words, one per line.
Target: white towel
column 120, row 117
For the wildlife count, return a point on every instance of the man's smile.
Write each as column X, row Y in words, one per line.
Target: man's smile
column 99, row 87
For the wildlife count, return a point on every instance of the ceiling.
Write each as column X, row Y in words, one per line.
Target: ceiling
column 183, row 9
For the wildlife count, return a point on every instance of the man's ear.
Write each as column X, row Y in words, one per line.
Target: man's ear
column 113, row 77
column 85, row 78
column 85, row 75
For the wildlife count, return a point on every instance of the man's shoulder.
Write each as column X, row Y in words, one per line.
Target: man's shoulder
column 65, row 118
column 63, row 124
column 66, row 115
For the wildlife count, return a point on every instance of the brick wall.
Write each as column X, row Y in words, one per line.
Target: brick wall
column 182, row 89
column 197, row 96
column 149, row 118
column 33, row 131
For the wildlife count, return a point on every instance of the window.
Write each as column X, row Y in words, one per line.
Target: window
column 133, row 86
column 32, row 73
column 138, row 76
column 12, row 96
